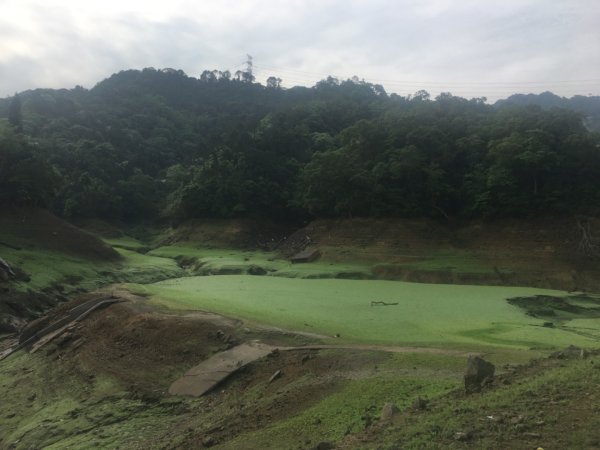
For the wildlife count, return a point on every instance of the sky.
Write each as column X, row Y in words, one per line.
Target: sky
column 471, row 48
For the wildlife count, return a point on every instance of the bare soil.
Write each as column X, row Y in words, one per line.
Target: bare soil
column 38, row 228
column 541, row 252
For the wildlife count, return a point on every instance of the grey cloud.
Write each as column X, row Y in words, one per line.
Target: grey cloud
column 437, row 40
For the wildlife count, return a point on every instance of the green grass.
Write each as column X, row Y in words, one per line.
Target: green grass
column 230, row 261
column 144, row 268
column 349, row 410
column 543, row 402
column 456, row 261
column 46, row 404
column 125, row 242
column 47, row 268
column 427, row 314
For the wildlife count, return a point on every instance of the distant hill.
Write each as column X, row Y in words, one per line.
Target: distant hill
column 148, row 144
column 588, row 106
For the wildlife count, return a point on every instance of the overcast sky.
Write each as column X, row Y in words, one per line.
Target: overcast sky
column 468, row 47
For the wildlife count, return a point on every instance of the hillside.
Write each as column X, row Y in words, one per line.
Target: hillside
column 49, row 260
column 177, row 313
column 588, row 107
column 158, row 143
column 544, row 253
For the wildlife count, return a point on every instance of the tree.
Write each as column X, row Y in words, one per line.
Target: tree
column 274, row 83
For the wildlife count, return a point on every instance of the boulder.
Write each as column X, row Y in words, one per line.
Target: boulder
column 479, row 372
column 6, row 272
column 389, row 410
column 419, row 404
column 256, row 270
column 275, row 376
column 324, row 446
column 571, row 352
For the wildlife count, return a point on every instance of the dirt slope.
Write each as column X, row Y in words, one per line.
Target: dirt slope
column 38, row 228
column 542, row 252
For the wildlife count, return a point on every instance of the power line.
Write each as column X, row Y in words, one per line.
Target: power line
column 416, row 83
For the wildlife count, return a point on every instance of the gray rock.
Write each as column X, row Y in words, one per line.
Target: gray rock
column 276, row 375
column 208, row 441
column 479, row 372
column 462, row 436
column 256, row 270
column 419, row 404
column 388, row 411
column 571, row 352
column 5, row 267
column 324, row 446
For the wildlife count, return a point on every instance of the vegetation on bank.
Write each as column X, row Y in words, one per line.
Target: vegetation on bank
column 150, row 143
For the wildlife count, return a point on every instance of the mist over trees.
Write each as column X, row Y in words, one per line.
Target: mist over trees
column 157, row 143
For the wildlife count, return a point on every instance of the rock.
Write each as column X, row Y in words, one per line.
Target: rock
column 462, row 436
column 516, row 420
column 64, row 339
column 419, row 404
column 388, row 411
column 532, row 435
column 479, row 372
column 571, row 352
column 275, row 376
column 6, row 269
column 208, row 441
column 256, row 270
column 324, row 446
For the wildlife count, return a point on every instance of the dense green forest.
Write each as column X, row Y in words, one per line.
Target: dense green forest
column 158, row 143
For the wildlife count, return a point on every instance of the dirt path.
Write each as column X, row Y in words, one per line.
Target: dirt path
column 384, row 348
column 205, row 376
column 208, row 374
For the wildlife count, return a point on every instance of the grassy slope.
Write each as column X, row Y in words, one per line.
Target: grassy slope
column 426, row 314
column 48, row 268
column 555, row 408
column 49, row 404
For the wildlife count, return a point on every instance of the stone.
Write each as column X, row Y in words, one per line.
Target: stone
column 208, row 441
column 388, row 411
column 419, row 404
column 324, row 446
column 479, row 372
column 275, row 376
column 256, row 270
column 462, row 436
column 571, row 352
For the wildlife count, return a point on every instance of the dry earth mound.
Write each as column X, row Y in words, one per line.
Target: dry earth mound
column 236, row 233
column 559, row 253
column 38, row 228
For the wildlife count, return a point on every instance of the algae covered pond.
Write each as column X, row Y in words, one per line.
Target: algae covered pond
column 425, row 314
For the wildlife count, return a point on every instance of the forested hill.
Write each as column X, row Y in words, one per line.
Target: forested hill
column 588, row 106
column 157, row 143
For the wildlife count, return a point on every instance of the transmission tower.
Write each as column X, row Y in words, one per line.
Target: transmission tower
column 249, row 66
